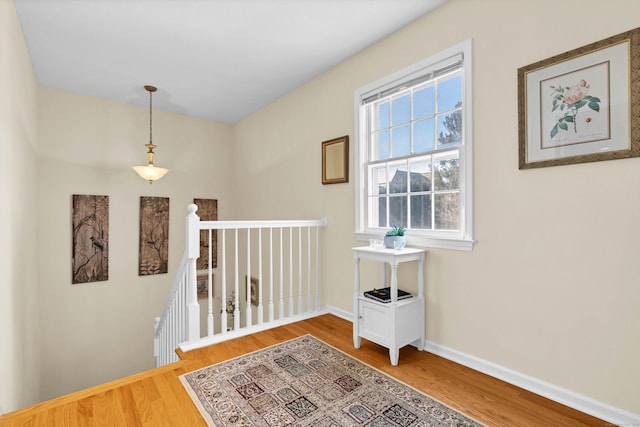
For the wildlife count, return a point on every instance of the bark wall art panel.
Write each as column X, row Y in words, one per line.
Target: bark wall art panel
column 90, row 239
column 154, row 236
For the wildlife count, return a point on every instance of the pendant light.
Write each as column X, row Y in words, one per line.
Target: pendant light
column 150, row 172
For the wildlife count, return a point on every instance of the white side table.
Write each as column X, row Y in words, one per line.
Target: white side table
column 393, row 324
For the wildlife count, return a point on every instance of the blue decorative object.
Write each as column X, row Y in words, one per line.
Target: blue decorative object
column 395, row 242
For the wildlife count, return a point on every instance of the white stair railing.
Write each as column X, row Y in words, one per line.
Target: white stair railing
column 171, row 327
column 272, row 263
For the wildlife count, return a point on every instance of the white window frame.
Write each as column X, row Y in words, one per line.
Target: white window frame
column 462, row 239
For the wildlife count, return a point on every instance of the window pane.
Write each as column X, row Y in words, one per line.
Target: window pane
column 400, row 141
column 420, row 177
column 397, row 179
column 378, row 180
column 423, row 102
column 400, row 110
column 382, row 118
column 421, row 211
column 450, row 129
column 450, row 94
column 380, row 148
column 378, row 211
column 423, row 140
column 446, row 174
column 446, row 211
column 397, row 211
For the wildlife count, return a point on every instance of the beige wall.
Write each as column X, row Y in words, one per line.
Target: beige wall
column 95, row 332
column 551, row 288
column 19, row 346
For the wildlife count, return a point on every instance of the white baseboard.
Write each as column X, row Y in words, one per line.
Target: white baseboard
column 343, row 314
column 566, row 397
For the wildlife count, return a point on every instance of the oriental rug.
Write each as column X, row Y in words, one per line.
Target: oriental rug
column 306, row 382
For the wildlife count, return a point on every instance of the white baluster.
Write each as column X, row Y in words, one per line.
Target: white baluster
column 248, row 280
column 290, row 272
column 236, row 311
column 281, row 302
column 310, row 307
column 210, row 287
column 318, row 268
column 300, row 307
column 223, row 297
column 271, row 274
column 260, row 294
column 180, row 315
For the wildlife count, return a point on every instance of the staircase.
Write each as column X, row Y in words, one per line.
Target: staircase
column 257, row 275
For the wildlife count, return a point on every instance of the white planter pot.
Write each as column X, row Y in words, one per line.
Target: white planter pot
column 395, row 242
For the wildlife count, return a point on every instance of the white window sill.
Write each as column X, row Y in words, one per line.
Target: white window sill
column 425, row 242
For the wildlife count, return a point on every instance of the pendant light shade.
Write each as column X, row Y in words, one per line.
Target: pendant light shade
column 150, row 172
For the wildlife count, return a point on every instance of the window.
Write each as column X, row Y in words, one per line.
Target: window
column 414, row 152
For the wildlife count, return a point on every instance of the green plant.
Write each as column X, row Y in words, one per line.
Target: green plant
column 398, row 230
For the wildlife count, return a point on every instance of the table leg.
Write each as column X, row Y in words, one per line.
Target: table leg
column 394, row 355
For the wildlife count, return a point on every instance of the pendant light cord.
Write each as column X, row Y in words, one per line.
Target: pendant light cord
column 150, row 117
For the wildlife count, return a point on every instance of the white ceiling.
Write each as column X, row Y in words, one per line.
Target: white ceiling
column 216, row 59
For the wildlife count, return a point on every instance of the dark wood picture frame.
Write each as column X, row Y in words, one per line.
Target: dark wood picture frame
column 335, row 160
column 596, row 85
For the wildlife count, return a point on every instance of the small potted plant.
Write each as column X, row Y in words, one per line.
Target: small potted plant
column 395, row 239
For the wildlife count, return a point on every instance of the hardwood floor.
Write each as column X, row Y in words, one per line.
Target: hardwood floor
column 157, row 398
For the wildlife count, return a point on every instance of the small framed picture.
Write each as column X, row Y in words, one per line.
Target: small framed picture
column 254, row 289
column 335, row 160
column 202, row 284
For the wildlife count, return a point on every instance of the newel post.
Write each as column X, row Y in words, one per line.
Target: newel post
column 193, row 252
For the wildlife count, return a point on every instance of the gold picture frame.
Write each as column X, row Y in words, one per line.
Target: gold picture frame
column 335, row 160
column 582, row 105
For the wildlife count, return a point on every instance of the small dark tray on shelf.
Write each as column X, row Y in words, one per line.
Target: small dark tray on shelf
column 384, row 294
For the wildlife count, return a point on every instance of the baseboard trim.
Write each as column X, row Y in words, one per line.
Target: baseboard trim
column 566, row 397
column 338, row 312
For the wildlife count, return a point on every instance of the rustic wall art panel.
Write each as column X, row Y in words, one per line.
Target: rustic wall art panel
column 154, row 236
column 207, row 211
column 90, row 239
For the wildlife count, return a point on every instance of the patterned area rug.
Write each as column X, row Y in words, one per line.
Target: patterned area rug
column 306, row 382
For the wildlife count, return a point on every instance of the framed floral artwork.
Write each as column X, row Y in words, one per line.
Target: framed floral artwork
column 582, row 105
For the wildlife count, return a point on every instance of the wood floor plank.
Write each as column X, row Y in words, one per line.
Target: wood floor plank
column 157, row 398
